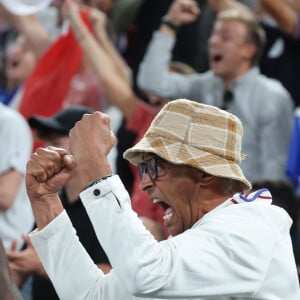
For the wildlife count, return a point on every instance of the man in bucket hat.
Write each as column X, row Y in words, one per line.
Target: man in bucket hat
column 225, row 244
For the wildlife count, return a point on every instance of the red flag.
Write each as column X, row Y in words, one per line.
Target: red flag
column 46, row 87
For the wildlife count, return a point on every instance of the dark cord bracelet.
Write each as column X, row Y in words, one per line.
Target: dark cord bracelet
column 96, row 181
column 169, row 24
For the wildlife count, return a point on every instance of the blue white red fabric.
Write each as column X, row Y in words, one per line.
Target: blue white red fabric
column 262, row 195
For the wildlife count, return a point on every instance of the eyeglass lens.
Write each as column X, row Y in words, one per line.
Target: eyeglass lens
column 150, row 167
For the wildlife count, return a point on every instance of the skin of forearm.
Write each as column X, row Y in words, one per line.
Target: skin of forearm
column 10, row 183
column 282, row 13
column 294, row 4
column 37, row 36
column 167, row 30
column 4, row 15
column 6, row 201
column 219, row 5
column 9, row 293
column 107, row 45
column 19, row 278
column 122, row 96
column 46, row 209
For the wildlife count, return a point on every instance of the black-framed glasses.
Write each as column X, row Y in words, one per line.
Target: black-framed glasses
column 152, row 167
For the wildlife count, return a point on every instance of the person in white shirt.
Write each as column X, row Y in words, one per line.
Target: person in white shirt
column 225, row 241
column 16, row 218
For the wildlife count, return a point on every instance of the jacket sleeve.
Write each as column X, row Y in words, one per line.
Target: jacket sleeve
column 197, row 262
column 69, row 267
column 154, row 76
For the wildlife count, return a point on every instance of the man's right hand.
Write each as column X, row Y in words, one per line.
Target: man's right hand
column 183, row 12
column 47, row 172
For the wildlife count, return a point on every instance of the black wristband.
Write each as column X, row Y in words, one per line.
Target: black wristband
column 96, row 181
column 169, row 23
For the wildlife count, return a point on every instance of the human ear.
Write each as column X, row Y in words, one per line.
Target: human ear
column 205, row 179
column 249, row 51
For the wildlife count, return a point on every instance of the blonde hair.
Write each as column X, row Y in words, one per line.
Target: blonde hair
column 255, row 33
column 181, row 68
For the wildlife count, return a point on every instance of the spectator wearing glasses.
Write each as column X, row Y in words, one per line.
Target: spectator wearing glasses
column 225, row 242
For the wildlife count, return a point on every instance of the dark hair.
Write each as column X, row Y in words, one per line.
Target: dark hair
column 232, row 186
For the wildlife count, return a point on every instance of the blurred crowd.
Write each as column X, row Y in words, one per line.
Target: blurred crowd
column 127, row 58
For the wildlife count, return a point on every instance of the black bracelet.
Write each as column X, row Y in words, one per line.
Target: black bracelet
column 97, row 181
column 169, row 23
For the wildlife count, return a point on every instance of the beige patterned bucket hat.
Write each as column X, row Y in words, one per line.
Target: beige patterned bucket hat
column 194, row 134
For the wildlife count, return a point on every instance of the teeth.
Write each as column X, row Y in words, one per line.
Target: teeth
column 156, row 200
column 167, row 217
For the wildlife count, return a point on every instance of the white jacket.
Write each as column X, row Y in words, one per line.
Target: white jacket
column 236, row 251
